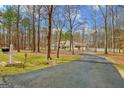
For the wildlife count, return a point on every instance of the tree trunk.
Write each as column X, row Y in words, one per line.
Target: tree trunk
column 59, row 43
column 21, row 39
column 4, row 37
column 50, row 9
column 18, row 46
column 83, row 40
column 95, row 41
column 70, row 40
column 10, row 36
column 95, row 35
column 29, row 37
column 34, row 46
column 105, row 28
column 71, row 43
column 113, row 34
column 55, row 40
column 38, row 38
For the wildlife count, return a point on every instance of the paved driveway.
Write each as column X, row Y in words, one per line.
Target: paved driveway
column 90, row 71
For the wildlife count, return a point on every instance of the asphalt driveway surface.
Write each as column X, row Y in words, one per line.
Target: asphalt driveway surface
column 88, row 72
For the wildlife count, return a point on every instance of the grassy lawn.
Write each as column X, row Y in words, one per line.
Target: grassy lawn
column 120, row 69
column 117, row 60
column 34, row 61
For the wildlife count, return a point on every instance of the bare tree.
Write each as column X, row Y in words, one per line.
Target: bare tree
column 18, row 15
column 50, row 12
column 94, row 18
column 71, row 15
column 104, row 14
column 33, row 13
column 59, row 23
column 38, row 32
column 111, row 8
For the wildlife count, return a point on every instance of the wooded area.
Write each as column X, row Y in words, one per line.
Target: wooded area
column 46, row 28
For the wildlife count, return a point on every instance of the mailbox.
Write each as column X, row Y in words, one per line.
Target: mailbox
column 5, row 49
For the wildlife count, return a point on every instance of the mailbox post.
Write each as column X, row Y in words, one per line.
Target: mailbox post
column 11, row 54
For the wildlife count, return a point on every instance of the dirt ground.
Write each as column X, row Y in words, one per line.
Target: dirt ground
column 117, row 59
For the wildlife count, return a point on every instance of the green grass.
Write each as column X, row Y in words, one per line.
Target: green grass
column 34, row 62
column 63, row 60
column 120, row 68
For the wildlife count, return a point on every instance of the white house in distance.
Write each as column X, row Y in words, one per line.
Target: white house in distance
column 66, row 45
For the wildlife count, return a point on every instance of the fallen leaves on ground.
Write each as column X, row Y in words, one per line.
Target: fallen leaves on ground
column 117, row 60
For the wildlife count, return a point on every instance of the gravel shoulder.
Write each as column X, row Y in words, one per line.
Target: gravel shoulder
column 88, row 72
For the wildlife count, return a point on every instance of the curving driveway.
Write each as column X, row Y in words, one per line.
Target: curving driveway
column 90, row 71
